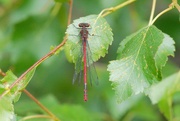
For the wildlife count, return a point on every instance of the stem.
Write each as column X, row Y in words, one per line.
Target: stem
column 164, row 11
column 40, row 105
column 35, row 100
column 176, row 4
column 42, row 59
column 107, row 11
column 34, row 66
column 70, row 11
column 152, row 12
column 2, row 73
column 112, row 9
column 35, row 116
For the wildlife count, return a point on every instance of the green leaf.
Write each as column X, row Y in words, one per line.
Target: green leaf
column 6, row 109
column 6, row 106
column 162, row 93
column 176, row 105
column 7, row 81
column 68, row 113
column 22, row 84
column 16, row 90
column 29, row 8
column 26, row 79
column 165, row 49
column 65, row 112
column 9, row 78
column 165, row 107
column 138, row 65
column 166, row 87
column 99, row 39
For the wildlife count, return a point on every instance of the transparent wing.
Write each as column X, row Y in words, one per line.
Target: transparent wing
column 92, row 73
column 79, row 67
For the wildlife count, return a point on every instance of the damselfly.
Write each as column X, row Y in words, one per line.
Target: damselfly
column 85, row 62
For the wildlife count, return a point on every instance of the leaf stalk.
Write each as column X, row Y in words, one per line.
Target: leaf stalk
column 152, row 12
column 176, row 4
column 161, row 13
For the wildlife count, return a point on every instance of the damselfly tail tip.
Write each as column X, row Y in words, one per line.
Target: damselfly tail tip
column 85, row 98
column 85, row 95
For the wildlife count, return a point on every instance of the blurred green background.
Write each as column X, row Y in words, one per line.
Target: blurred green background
column 28, row 28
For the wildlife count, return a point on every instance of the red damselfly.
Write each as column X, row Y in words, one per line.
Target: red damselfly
column 85, row 61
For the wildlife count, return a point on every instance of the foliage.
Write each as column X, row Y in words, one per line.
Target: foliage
column 145, row 82
column 100, row 37
column 12, row 95
column 141, row 58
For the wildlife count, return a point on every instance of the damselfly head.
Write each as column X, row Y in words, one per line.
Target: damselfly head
column 84, row 24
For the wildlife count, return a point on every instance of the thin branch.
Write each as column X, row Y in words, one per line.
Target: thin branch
column 107, row 11
column 164, row 11
column 35, row 116
column 176, row 4
column 40, row 105
column 70, row 11
column 35, row 100
column 2, row 73
column 43, row 58
column 34, row 66
column 152, row 12
column 112, row 9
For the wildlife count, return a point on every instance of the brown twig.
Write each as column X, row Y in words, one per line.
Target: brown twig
column 70, row 11
column 35, row 100
column 34, row 66
column 43, row 58
column 40, row 105
column 2, row 73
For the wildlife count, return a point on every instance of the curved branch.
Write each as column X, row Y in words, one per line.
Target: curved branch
column 164, row 11
column 43, row 58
